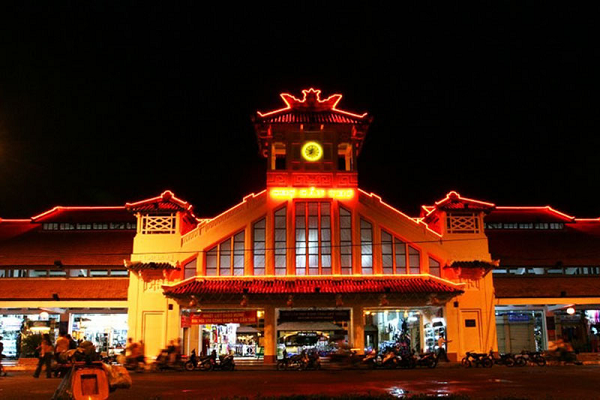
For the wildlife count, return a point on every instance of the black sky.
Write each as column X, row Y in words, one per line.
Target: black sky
column 103, row 103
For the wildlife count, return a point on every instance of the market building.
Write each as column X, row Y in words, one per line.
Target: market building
column 63, row 270
column 311, row 261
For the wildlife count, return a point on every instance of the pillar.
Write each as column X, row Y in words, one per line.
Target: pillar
column 270, row 356
column 358, row 329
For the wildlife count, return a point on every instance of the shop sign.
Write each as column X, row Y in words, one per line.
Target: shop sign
column 225, row 317
column 518, row 318
column 313, row 315
column 186, row 321
column 572, row 318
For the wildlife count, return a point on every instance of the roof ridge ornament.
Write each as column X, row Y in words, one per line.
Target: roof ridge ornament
column 311, row 101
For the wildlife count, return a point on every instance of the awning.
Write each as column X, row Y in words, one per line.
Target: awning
column 153, row 266
column 403, row 284
column 61, row 289
column 309, row 326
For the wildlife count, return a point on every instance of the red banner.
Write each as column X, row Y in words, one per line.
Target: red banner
column 224, row 317
column 185, row 321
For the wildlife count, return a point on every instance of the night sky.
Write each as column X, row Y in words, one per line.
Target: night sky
column 103, row 103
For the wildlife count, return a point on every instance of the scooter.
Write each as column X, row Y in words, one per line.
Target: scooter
column 388, row 361
column 479, row 359
column 503, row 359
column 163, row 362
column 223, row 363
column 293, row 362
column 198, row 363
column 429, row 360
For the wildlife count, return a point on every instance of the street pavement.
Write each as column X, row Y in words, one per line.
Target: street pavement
column 550, row 382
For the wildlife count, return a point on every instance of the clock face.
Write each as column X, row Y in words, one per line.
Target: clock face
column 312, row 151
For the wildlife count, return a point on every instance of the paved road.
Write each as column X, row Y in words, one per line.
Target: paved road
column 570, row 382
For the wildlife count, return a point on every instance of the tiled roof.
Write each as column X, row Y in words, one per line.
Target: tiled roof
column 527, row 214
column 85, row 215
column 72, row 248
column 64, row 288
column 137, row 266
column 336, row 285
column 545, row 286
column 165, row 202
column 310, row 117
column 454, row 201
column 472, row 264
column 577, row 244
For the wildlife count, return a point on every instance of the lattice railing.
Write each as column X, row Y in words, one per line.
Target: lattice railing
column 153, row 224
column 463, row 223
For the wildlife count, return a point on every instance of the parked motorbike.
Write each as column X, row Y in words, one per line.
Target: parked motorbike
column 389, row 360
column 477, row 359
column 530, row 357
column 503, row 359
column 222, row 363
column 344, row 359
column 429, row 360
column 293, row 362
column 198, row 363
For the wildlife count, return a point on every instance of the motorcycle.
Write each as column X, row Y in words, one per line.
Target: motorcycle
column 165, row 362
column 294, row 362
column 533, row 357
column 352, row 360
column 311, row 360
column 503, row 359
column 198, row 363
column 479, row 359
column 429, row 360
column 389, row 360
column 222, row 363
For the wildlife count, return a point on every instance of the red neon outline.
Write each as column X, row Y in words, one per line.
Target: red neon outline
column 331, row 276
column 281, row 193
column 419, row 223
column 547, row 208
column 454, row 195
column 59, row 208
column 330, row 103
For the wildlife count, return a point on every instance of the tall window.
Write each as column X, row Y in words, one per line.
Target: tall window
column 189, row 269
column 226, row 258
column 387, row 253
column 280, row 241
column 397, row 255
column 366, row 247
column 434, row 267
column 345, row 241
column 313, row 238
column 259, row 247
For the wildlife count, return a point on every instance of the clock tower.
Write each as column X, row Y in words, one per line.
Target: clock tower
column 310, row 143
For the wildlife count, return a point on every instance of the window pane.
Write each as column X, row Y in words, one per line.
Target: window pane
column 211, row 262
column 345, row 241
column 238, row 254
column 366, row 246
column 189, row 269
column 400, row 247
column 387, row 261
column 414, row 260
column 434, row 267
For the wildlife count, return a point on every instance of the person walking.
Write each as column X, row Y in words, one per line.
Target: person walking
column 442, row 355
column 46, row 353
column 2, row 372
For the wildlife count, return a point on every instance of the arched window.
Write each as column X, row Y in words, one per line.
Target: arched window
column 434, row 267
column 226, row 258
column 398, row 257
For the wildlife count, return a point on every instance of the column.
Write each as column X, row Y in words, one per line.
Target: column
column 270, row 336
column 358, row 329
